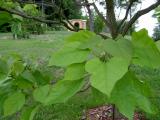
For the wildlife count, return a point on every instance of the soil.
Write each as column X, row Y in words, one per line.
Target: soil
column 106, row 113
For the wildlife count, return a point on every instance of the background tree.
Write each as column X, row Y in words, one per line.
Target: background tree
column 98, row 24
column 156, row 34
column 109, row 17
column 56, row 12
column 157, row 13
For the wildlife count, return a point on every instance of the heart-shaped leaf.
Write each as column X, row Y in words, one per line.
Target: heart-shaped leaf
column 104, row 75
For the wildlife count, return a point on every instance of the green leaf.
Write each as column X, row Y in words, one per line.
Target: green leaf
column 81, row 36
column 146, row 52
column 128, row 94
column 75, row 71
column 40, row 94
column 104, row 75
column 4, row 70
column 3, row 96
column 13, row 103
column 121, row 48
column 59, row 93
column 98, row 98
column 92, row 43
column 75, row 49
column 64, row 90
column 68, row 56
column 31, row 9
column 29, row 113
column 25, row 80
column 23, row 83
column 17, row 68
column 5, row 18
column 86, row 40
column 158, row 45
column 28, row 76
column 40, row 78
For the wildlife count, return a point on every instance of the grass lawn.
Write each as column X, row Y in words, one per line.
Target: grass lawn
column 38, row 46
column 41, row 47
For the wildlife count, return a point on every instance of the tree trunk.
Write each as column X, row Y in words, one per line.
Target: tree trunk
column 15, row 36
column 111, row 18
column 91, row 23
column 91, row 16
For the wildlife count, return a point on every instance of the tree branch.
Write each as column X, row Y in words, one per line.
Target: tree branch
column 22, row 14
column 138, row 15
column 97, row 11
column 39, row 19
column 127, row 13
column 100, row 15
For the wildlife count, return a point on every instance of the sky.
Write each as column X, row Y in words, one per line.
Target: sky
column 145, row 21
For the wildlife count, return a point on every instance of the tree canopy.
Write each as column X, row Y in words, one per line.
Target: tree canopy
column 60, row 11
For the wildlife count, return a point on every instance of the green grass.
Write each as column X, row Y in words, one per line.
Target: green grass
column 38, row 46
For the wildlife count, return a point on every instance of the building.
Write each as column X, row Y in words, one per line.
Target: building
column 80, row 23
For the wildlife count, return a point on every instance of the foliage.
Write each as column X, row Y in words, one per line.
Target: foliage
column 86, row 58
column 21, row 27
column 19, row 79
column 14, row 21
column 98, row 24
column 156, row 34
column 152, row 76
column 8, row 4
column 71, row 11
column 32, row 26
column 13, row 103
column 124, row 3
column 5, row 18
column 108, row 62
column 31, row 9
column 157, row 13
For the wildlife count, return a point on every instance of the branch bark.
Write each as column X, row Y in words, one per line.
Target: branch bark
column 126, row 15
column 111, row 18
column 97, row 11
column 91, row 17
column 100, row 14
column 138, row 15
